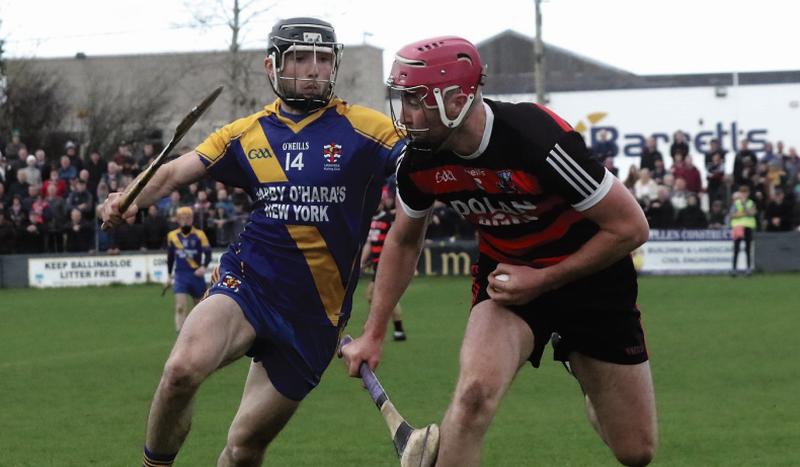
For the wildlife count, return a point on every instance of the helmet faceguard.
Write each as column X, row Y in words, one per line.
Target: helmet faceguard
column 426, row 71
column 295, row 35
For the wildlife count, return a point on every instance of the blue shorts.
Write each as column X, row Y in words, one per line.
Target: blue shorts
column 189, row 284
column 294, row 353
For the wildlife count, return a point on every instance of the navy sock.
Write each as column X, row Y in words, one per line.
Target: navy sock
column 152, row 459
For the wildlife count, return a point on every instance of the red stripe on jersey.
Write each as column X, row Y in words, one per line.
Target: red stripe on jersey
column 564, row 125
column 554, row 231
column 527, row 182
column 494, row 254
column 544, row 262
column 454, row 178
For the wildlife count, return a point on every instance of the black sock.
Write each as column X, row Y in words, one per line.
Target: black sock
column 398, row 326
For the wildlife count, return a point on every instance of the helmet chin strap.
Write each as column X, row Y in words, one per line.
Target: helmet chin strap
column 454, row 123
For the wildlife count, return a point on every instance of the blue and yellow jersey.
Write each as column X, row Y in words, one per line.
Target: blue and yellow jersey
column 187, row 252
column 315, row 184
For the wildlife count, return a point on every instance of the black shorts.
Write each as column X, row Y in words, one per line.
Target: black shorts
column 596, row 315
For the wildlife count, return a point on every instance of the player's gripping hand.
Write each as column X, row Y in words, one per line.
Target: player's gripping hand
column 516, row 285
column 361, row 349
column 110, row 210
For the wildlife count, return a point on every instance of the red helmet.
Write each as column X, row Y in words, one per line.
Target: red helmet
column 432, row 67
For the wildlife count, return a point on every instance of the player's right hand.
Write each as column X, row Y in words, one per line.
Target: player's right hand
column 362, row 349
column 110, row 211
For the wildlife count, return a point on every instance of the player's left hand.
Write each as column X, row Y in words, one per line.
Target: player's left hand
column 200, row 272
column 523, row 285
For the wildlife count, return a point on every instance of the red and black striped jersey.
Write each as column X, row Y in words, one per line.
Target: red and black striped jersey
column 524, row 189
column 378, row 229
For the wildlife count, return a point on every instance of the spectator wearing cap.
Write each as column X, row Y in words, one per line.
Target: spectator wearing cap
column 32, row 173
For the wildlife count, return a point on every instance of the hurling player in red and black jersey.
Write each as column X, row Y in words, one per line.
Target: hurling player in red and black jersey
column 556, row 231
column 371, row 255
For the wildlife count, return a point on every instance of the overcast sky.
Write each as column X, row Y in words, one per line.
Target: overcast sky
column 642, row 36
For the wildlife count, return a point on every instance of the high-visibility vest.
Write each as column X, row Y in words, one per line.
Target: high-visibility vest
column 747, row 221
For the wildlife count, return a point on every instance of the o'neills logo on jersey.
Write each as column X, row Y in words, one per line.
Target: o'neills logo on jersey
column 486, row 212
column 331, row 153
column 477, row 176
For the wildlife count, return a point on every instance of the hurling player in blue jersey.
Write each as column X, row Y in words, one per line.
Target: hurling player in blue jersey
column 555, row 235
column 188, row 253
column 314, row 167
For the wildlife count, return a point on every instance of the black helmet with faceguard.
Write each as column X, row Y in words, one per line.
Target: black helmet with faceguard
column 293, row 35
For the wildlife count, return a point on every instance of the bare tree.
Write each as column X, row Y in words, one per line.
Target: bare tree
column 236, row 15
column 111, row 112
column 34, row 102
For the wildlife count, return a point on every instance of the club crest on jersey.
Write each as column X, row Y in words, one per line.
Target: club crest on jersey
column 230, row 282
column 331, row 154
column 505, row 182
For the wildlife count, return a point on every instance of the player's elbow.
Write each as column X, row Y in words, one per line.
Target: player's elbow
column 640, row 233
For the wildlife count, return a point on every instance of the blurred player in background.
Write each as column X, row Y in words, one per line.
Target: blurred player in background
column 371, row 254
column 189, row 252
column 314, row 167
column 556, row 231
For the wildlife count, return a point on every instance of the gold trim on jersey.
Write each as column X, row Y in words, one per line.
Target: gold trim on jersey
column 370, row 124
column 323, row 268
column 261, row 157
column 275, row 107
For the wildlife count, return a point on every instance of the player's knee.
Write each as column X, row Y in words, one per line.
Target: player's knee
column 244, row 455
column 180, row 377
column 476, row 401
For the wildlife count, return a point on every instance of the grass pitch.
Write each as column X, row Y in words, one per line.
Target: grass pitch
column 78, row 368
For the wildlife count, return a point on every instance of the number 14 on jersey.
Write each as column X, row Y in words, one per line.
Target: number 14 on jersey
column 295, row 162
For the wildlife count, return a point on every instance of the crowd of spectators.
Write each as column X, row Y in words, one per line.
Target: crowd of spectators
column 675, row 194
column 48, row 203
